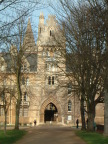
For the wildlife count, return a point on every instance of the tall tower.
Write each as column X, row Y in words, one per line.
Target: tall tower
column 41, row 28
column 41, row 24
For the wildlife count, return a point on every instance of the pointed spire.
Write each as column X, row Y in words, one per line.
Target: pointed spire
column 29, row 41
column 29, row 29
column 41, row 18
column 41, row 15
column 29, row 32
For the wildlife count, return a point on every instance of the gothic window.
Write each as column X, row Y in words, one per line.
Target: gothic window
column 40, row 29
column 1, row 111
column 25, row 112
column 51, row 67
column 49, row 80
column 27, row 81
column 69, row 105
column 52, row 80
column 50, row 106
column 50, row 33
column 69, row 88
column 25, row 96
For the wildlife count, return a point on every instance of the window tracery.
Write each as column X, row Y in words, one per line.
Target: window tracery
column 69, row 106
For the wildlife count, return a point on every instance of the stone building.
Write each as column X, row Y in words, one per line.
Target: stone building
column 46, row 92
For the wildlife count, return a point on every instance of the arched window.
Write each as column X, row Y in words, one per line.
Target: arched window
column 69, row 105
column 27, row 81
column 49, row 80
column 50, row 33
column 25, row 96
column 52, row 80
column 40, row 29
column 1, row 111
column 69, row 88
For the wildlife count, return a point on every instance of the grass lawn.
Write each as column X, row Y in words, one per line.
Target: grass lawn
column 11, row 136
column 92, row 137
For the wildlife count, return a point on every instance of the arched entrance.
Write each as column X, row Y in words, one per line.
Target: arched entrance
column 44, row 113
column 50, row 113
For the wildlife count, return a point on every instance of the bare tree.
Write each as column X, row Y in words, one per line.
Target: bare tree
column 85, row 54
column 23, row 42
column 6, row 92
column 14, row 34
column 102, row 10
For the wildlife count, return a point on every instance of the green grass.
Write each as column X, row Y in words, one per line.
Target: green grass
column 92, row 137
column 11, row 136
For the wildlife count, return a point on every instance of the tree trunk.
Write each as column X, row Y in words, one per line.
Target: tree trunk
column 82, row 114
column 91, row 116
column 106, row 114
column 18, row 100
column 5, row 122
column 17, row 117
column 90, row 121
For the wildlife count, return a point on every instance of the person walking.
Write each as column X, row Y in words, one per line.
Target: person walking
column 77, row 123
column 34, row 122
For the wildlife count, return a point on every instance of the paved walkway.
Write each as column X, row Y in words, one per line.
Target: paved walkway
column 48, row 134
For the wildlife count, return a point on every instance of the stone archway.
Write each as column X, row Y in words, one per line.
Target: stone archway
column 45, row 104
column 50, row 113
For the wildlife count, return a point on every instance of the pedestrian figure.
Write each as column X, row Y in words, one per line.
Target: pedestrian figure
column 77, row 122
column 35, row 122
column 94, row 125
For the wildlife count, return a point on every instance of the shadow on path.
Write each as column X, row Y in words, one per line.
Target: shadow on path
column 50, row 134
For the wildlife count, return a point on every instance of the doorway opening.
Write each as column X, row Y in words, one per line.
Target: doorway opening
column 50, row 113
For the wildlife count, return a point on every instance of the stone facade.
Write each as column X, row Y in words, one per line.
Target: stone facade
column 46, row 94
